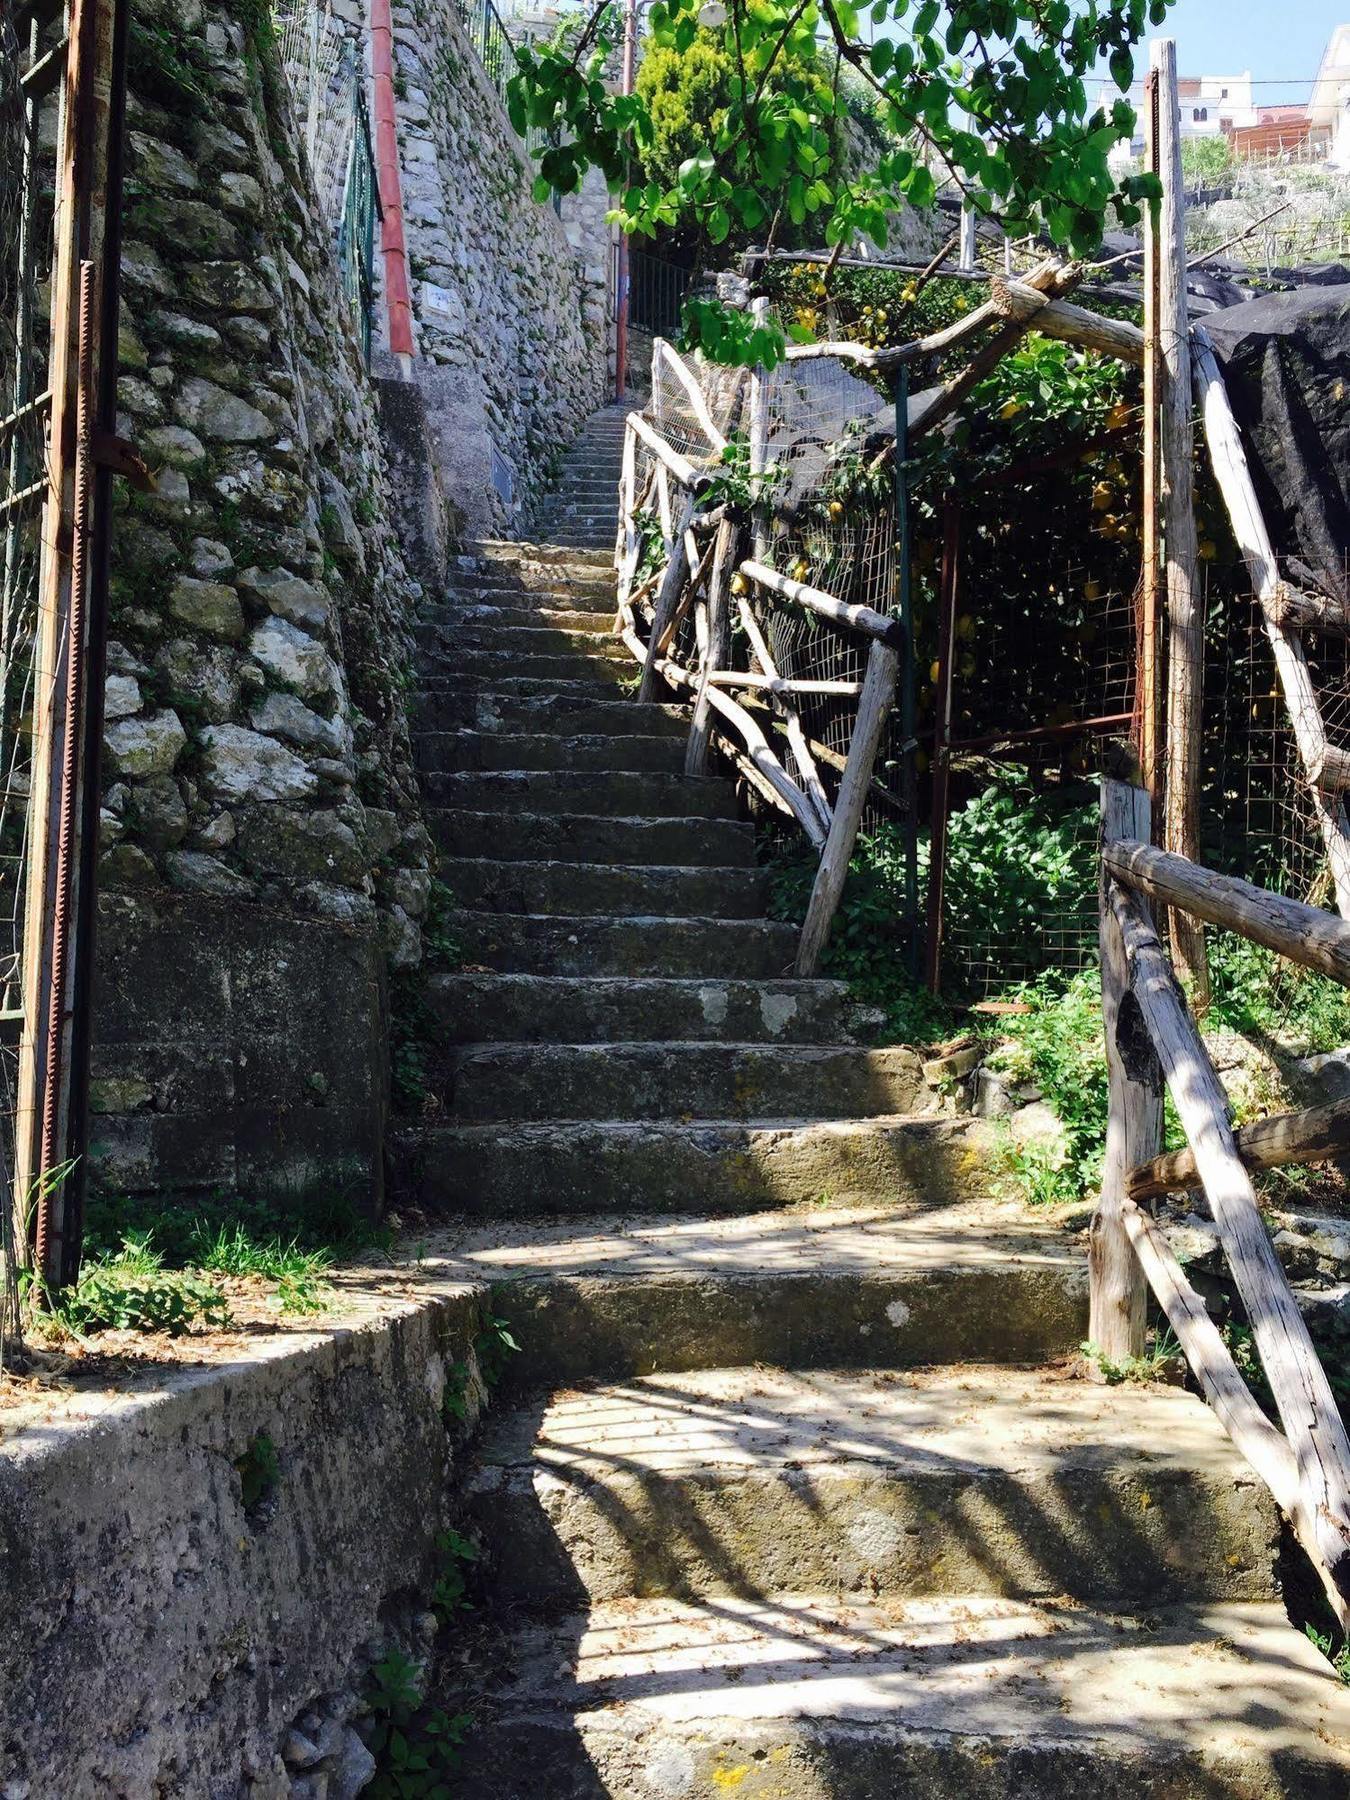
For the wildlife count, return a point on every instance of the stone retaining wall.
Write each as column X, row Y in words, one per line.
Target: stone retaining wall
column 199, row 1577
column 257, row 750
column 510, row 301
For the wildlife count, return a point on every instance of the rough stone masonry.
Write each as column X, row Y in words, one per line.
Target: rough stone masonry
column 264, row 860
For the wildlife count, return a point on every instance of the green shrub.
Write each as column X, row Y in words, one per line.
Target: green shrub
column 1014, row 862
column 133, row 1291
column 1058, row 1046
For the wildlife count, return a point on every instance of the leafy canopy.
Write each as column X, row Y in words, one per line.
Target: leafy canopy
column 989, row 94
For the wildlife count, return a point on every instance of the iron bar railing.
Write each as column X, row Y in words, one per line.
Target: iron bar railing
column 493, row 46
column 657, row 290
column 356, row 230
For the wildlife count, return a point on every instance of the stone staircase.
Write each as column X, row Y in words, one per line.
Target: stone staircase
column 580, row 511
column 788, row 1494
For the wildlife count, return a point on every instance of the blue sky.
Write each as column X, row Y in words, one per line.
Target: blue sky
column 1275, row 39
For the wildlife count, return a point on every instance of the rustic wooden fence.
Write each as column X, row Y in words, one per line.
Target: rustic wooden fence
column 1152, row 1039
column 691, row 566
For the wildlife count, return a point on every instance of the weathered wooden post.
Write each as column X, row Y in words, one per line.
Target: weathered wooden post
column 1185, row 608
column 719, row 646
column 874, row 704
column 1118, row 1290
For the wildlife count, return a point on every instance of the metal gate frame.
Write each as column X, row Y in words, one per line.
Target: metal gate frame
column 82, row 453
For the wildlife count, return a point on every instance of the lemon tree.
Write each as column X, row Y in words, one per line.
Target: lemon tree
column 990, row 96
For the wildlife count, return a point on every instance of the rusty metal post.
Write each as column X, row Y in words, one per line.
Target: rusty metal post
column 68, row 667
column 942, row 733
column 1150, row 614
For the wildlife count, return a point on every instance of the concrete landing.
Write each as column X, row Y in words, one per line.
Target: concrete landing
column 975, row 1480
column 847, row 1288
column 929, row 1699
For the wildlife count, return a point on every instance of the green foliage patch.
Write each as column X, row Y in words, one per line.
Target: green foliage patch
column 131, row 1290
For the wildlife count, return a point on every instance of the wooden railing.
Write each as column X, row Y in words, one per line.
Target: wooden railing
column 677, row 621
column 1152, row 1039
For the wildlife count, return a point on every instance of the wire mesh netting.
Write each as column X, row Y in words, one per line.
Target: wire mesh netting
column 29, row 121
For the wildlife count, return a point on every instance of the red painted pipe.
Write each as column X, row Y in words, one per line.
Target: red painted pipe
column 392, row 240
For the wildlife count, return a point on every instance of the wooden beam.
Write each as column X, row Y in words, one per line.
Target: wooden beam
column 679, row 466
column 757, row 745
column 667, row 599
column 1185, row 606
column 1118, row 1294
column 1298, row 610
column 1061, row 319
column 719, row 647
column 812, row 785
column 1303, row 1395
column 698, row 405
column 1229, row 462
column 1212, row 1364
column 816, row 600
column 883, row 666
column 1304, row 934
column 1318, row 1134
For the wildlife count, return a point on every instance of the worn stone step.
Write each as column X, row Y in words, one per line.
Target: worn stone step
column 682, row 1080
column 482, row 615
column 753, row 1480
column 476, row 706
column 502, row 587
column 466, row 752
column 520, row 836
column 576, row 888
column 552, row 944
column 580, row 538
column 456, row 635
column 613, row 793
column 522, row 1170
column 432, row 686
column 506, row 551
column 600, row 1299
column 614, row 1009
column 453, row 658
column 970, row 1698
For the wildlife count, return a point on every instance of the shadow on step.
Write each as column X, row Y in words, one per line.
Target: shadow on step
column 997, row 1682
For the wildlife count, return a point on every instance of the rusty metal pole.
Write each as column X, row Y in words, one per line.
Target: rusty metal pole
column 58, row 924
column 1150, row 614
column 942, row 733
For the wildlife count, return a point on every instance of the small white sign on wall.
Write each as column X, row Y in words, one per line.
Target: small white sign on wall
column 442, row 306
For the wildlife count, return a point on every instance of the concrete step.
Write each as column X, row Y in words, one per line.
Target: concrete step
column 527, row 588
column 583, row 538
column 506, row 836
column 753, row 1480
column 830, row 1288
column 682, row 1080
column 550, row 944
column 717, row 1166
column 612, row 1009
column 613, row 793
column 465, row 752
column 455, row 635
column 507, row 551
column 481, row 615
column 480, row 884
column 595, row 712
column 468, row 687
column 799, row 1698
column 452, row 658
